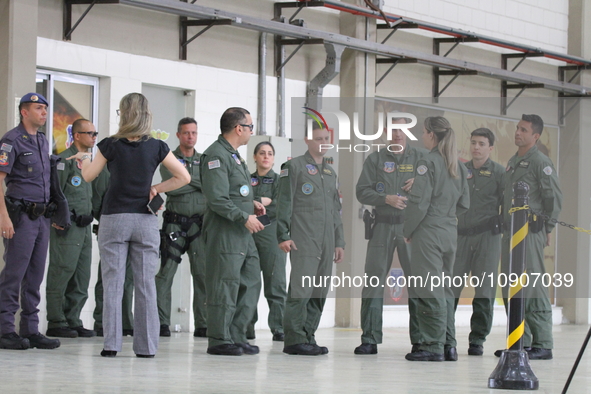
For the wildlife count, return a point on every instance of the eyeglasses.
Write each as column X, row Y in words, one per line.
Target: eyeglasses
column 90, row 133
column 250, row 126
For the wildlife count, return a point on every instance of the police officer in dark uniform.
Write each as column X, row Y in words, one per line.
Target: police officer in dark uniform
column 181, row 232
column 25, row 168
column 70, row 252
column 233, row 278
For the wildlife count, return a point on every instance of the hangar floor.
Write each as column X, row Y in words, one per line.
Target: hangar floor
column 182, row 366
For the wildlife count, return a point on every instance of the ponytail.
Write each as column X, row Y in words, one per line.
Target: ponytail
column 446, row 142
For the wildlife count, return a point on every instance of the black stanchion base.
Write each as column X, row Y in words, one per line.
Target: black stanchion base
column 513, row 372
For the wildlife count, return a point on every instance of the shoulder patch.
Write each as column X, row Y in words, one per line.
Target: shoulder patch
column 61, row 166
column 283, row 173
column 470, row 175
column 213, row 164
column 422, row 169
column 547, row 170
column 3, row 159
column 6, row 147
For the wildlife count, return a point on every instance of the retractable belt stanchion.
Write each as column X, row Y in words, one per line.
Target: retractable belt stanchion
column 513, row 370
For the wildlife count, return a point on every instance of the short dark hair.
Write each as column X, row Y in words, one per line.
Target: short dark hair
column 484, row 132
column 537, row 124
column 78, row 124
column 260, row 145
column 185, row 121
column 231, row 117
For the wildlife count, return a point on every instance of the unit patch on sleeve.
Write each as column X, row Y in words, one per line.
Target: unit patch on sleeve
column 61, row 166
column 284, row 173
column 422, row 169
column 547, row 170
column 213, row 164
column 6, row 147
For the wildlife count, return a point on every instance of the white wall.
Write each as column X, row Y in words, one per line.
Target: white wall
column 539, row 23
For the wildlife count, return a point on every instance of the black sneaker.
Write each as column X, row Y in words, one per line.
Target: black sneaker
column 451, row 353
column 279, row 337
column 127, row 332
column 302, row 349
column 227, row 349
column 200, row 332
column 108, row 353
column 99, row 332
column 84, row 333
column 475, row 350
column 247, row 348
column 423, row 355
column 42, row 342
column 14, row 341
column 366, row 348
column 62, row 332
column 164, row 330
column 537, row 353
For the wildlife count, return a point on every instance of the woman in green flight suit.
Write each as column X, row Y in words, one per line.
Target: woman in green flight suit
column 439, row 193
column 265, row 183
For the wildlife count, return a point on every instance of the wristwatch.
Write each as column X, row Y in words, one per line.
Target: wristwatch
column 84, row 157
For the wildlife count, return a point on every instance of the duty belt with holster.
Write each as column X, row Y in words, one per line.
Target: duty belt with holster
column 169, row 239
column 371, row 219
column 33, row 210
column 494, row 225
column 536, row 224
column 81, row 220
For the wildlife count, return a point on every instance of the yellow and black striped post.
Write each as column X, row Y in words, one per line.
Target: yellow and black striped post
column 513, row 370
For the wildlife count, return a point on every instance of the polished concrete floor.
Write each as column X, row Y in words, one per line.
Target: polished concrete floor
column 182, row 366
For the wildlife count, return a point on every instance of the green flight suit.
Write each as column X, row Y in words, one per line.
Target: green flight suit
column 272, row 259
column 537, row 170
column 308, row 212
column 99, row 188
column 479, row 252
column 430, row 222
column 70, row 254
column 186, row 201
column 233, row 273
column 385, row 173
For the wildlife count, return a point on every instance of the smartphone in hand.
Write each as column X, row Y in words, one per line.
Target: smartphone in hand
column 264, row 219
column 155, row 204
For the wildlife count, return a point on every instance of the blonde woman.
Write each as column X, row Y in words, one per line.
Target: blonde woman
column 439, row 193
column 128, row 229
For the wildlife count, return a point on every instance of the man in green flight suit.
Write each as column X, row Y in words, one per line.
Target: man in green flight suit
column 479, row 237
column 182, row 224
column 233, row 274
column 531, row 166
column 70, row 251
column 309, row 226
column 385, row 181
column 99, row 188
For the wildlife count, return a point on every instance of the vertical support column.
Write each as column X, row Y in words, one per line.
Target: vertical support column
column 357, row 79
column 573, row 248
column 18, row 60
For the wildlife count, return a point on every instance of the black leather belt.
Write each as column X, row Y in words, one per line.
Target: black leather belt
column 390, row 219
column 481, row 228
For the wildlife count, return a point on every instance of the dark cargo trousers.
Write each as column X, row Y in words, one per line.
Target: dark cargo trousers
column 68, row 276
column 25, row 255
column 380, row 251
column 479, row 255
